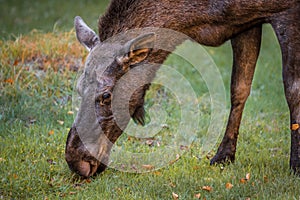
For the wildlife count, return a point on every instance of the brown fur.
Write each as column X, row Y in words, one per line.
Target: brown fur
column 209, row 23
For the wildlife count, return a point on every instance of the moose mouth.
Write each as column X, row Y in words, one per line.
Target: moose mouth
column 80, row 160
column 87, row 169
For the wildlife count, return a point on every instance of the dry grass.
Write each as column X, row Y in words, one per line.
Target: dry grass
column 40, row 51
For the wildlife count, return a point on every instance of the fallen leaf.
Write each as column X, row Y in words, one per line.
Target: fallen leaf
column 157, row 173
column 207, row 188
column 228, row 186
column 248, row 176
column 51, row 132
column 88, row 180
column 175, row 196
column 148, row 167
column 16, row 62
column 294, row 127
column 70, row 112
column 173, row 161
column 60, row 122
column 266, row 179
column 243, row 180
column 9, row 80
column 172, row 184
column 15, row 176
column 197, row 196
column 2, row 159
column 71, row 193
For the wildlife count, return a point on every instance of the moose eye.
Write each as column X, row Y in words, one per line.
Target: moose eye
column 104, row 99
column 106, row 95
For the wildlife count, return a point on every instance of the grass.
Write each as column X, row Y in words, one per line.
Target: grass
column 21, row 17
column 37, row 74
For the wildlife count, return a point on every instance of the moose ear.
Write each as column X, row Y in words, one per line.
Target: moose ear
column 137, row 50
column 85, row 35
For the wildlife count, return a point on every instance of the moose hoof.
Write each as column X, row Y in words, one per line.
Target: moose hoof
column 220, row 158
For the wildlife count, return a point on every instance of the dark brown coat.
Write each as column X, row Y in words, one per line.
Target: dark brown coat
column 209, row 23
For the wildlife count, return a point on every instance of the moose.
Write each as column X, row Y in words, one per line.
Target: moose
column 209, row 23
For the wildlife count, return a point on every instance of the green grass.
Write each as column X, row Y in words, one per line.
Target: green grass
column 36, row 82
column 21, row 17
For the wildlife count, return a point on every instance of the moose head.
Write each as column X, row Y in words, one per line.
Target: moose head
column 99, row 123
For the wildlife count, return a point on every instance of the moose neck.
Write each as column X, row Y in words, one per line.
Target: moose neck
column 125, row 15
column 181, row 15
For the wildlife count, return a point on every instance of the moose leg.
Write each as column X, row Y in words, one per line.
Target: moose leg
column 287, row 28
column 245, row 53
column 291, row 77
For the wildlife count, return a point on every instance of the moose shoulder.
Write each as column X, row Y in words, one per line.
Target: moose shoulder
column 207, row 22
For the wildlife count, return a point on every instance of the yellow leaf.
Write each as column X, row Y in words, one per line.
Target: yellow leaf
column 228, row 186
column 157, row 173
column 51, row 132
column 60, row 122
column 207, row 188
column 9, row 80
column 294, row 127
column 197, row 196
column 175, row 196
column 171, row 184
column 248, row 176
column 15, row 176
column 243, row 180
column 70, row 112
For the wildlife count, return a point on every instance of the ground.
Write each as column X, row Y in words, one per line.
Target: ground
column 37, row 75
